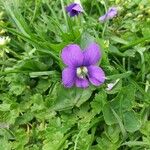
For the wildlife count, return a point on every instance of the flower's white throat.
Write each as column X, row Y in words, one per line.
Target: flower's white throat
column 82, row 72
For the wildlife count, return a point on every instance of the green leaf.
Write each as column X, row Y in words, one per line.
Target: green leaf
column 4, row 107
column 122, row 103
column 119, row 40
column 17, row 83
column 43, row 73
column 124, row 100
column 53, row 135
column 20, row 144
column 68, row 98
column 146, row 31
column 127, row 53
column 24, row 119
column 6, row 133
column 122, row 75
column 31, row 65
column 17, row 89
column 108, row 115
column 99, row 101
column 12, row 9
column 43, row 85
column 109, row 139
column 131, row 121
column 5, row 145
column 145, row 129
column 137, row 143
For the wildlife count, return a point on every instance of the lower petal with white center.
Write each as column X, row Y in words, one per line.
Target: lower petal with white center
column 81, row 82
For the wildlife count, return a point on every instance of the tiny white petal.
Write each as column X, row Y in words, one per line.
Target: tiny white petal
column 111, row 85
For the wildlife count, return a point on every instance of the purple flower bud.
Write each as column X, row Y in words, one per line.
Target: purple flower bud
column 74, row 9
column 81, row 66
column 111, row 13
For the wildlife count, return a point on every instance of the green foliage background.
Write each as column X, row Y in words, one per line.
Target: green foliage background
column 38, row 113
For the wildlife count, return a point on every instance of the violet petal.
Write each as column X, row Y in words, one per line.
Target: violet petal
column 91, row 54
column 68, row 77
column 96, row 75
column 74, row 13
column 111, row 13
column 72, row 55
column 103, row 18
column 74, row 9
column 69, row 8
column 82, row 83
column 77, row 8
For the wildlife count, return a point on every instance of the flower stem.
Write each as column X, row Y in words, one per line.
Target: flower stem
column 104, row 29
column 64, row 13
column 106, row 23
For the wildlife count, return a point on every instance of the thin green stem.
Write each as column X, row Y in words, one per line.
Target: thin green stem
column 70, row 26
column 76, row 140
column 124, row 62
column 34, row 12
column 30, row 72
column 64, row 13
column 15, row 54
column 92, row 138
column 122, row 75
column 104, row 29
column 106, row 23
column 3, row 66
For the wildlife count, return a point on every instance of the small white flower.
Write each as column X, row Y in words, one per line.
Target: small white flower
column 4, row 40
column 111, row 85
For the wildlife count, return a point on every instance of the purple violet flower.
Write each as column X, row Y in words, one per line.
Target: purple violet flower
column 111, row 13
column 74, row 9
column 81, row 66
